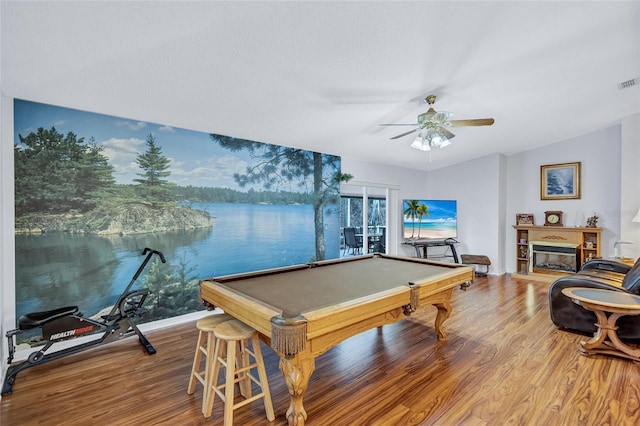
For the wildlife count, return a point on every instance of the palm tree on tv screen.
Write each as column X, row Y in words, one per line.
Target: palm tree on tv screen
column 411, row 211
column 422, row 210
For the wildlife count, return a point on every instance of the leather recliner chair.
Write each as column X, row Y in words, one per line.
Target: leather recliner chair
column 603, row 274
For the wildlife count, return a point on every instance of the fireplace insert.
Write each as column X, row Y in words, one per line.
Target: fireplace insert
column 551, row 256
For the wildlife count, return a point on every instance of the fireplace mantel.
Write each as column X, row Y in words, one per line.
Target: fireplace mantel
column 556, row 234
column 586, row 239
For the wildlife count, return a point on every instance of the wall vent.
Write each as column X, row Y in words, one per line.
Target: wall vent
column 629, row 83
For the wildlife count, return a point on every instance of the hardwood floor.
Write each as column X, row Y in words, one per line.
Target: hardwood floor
column 503, row 363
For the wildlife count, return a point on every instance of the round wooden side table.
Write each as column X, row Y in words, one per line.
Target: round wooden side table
column 602, row 302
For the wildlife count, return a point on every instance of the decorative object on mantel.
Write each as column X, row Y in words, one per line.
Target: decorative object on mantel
column 592, row 222
column 553, row 218
column 524, row 219
column 560, row 181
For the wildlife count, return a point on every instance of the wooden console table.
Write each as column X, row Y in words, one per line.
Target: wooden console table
column 603, row 302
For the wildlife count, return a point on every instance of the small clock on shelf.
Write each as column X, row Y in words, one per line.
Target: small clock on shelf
column 553, row 218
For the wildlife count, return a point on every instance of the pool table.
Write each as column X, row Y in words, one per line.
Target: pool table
column 303, row 311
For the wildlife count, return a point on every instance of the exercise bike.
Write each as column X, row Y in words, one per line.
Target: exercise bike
column 68, row 323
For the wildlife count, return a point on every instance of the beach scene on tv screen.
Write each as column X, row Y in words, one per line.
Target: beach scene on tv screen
column 432, row 219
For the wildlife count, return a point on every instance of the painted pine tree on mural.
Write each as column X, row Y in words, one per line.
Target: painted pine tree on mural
column 55, row 173
column 278, row 165
column 155, row 166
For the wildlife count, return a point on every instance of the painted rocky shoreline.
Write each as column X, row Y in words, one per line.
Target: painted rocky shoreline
column 130, row 219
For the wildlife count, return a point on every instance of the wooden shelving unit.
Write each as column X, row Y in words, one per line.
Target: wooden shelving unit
column 587, row 240
column 522, row 251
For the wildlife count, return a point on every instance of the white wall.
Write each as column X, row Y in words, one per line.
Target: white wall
column 476, row 186
column 600, row 155
column 503, row 182
column 410, row 181
column 630, row 185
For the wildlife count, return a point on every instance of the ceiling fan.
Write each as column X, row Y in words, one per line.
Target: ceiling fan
column 432, row 127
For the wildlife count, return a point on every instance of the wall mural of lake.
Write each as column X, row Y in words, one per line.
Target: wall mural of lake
column 92, row 191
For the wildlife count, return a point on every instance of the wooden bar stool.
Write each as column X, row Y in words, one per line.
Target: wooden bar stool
column 204, row 347
column 227, row 336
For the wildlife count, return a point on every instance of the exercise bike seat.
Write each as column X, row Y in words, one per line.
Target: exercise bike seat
column 37, row 319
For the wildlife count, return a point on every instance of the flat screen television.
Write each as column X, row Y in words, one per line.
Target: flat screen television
column 429, row 219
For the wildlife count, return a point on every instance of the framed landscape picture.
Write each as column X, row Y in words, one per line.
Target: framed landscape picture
column 560, row 181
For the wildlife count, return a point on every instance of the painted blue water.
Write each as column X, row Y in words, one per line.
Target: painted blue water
column 90, row 271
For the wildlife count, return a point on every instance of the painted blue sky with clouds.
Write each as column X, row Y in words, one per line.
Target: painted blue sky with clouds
column 195, row 159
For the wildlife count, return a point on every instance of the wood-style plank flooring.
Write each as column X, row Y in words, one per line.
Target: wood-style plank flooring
column 503, row 363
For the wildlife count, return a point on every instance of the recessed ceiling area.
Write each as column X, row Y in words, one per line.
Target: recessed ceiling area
column 325, row 75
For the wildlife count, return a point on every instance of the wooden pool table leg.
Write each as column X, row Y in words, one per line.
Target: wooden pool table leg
column 444, row 310
column 296, row 372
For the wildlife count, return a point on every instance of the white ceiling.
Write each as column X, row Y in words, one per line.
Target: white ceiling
column 324, row 75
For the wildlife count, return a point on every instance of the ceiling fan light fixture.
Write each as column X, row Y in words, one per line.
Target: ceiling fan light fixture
column 445, row 142
column 436, row 138
column 432, row 127
column 428, row 138
column 420, row 144
column 441, row 118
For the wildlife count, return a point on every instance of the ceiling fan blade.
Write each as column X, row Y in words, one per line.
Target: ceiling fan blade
column 399, row 124
column 404, row 134
column 446, row 133
column 476, row 122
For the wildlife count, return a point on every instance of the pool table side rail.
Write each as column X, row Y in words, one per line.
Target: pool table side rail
column 251, row 311
column 387, row 256
column 326, row 339
column 328, row 318
column 445, row 281
column 259, row 273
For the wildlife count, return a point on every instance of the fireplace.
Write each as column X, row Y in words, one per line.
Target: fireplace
column 549, row 257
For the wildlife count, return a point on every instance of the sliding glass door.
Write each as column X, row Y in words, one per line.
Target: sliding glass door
column 364, row 214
